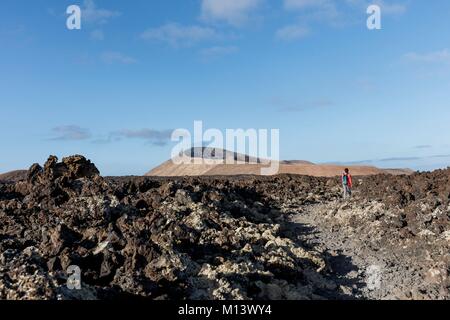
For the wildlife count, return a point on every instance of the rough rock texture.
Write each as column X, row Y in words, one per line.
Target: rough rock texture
column 13, row 176
column 391, row 240
column 219, row 238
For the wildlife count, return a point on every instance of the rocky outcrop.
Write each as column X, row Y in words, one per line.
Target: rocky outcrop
column 198, row 238
column 74, row 167
column 149, row 238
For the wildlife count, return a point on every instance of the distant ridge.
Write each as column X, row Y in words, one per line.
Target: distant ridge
column 247, row 165
column 13, row 176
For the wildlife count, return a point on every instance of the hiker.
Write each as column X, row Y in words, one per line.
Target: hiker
column 347, row 183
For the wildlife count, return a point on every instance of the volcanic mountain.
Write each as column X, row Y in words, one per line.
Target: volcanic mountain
column 13, row 175
column 241, row 164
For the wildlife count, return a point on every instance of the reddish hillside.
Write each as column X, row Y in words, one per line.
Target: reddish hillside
column 300, row 167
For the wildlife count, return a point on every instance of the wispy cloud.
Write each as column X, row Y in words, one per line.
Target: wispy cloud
column 233, row 12
column 423, row 146
column 71, row 132
column 441, row 156
column 77, row 133
column 317, row 9
column 178, row 35
column 399, row 159
column 387, row 7
column 112, row 57
column 391, row 7
column 292, row 32
column 92, row 14
column 304, row 4
column 440, row 56
column 309, row 12
column 338, row 13
column 152, row 136
column 395, row 159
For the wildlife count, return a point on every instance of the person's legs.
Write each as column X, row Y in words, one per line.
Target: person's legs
column 347, row 191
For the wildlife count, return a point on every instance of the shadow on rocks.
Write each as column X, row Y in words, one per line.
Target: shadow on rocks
column 340, row 269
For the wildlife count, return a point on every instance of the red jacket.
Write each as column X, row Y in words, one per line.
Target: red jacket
column 349, row 179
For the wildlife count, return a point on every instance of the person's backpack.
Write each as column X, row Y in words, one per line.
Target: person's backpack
column 345, row 179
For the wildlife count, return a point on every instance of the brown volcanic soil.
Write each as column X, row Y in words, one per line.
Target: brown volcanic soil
column 13, row 176
column 169, row 169
column 242, row 237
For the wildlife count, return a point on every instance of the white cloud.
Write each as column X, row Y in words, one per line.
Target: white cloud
column 152, row 136
column 234, row 12
column 389, row 8
column 442, row 56
column 322, row 8
column 111, row 57
column 423, row 146
column 315, row 10
column 334, row 10
column 292, row 32
column 92, row 14
column 71, row 132
column 335, row 13
column 178, row 35
column 302, row 4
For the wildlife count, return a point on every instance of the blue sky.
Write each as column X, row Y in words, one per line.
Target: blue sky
column 138, row 69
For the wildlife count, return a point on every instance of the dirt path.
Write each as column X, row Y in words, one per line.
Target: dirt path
column 362, row 269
